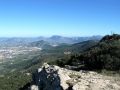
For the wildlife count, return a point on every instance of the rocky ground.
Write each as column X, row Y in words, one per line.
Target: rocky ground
column 56, row 78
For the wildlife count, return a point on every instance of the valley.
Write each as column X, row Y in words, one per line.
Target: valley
column 21, row 53
column 11, row 52
column 18, row 63
column 59, row 44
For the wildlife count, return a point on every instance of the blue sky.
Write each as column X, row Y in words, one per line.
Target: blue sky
column 28, row 18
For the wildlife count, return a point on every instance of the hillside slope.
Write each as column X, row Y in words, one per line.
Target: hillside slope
column 104, row 55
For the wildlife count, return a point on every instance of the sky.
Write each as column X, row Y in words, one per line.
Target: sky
column 31, row 18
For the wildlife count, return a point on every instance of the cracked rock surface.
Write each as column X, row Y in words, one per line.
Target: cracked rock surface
column 51, row 77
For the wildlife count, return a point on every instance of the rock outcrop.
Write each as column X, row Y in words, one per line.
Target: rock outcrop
column 51, row 77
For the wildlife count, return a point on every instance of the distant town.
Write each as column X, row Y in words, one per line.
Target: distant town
column 11, row 52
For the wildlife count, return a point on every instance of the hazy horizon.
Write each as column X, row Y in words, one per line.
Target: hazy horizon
column 48, row 36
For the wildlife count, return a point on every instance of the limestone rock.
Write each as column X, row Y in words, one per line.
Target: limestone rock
column 51, row 77
column 34, row 87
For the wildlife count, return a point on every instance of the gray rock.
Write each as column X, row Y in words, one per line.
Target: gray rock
column 56, row 78
column 47, row 78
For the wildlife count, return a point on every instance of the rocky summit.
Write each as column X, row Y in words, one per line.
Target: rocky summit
column 51, row 77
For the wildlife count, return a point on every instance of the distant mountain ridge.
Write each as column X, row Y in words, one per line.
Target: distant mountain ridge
column 72, row 40
column 41, row 44
column 16, row 41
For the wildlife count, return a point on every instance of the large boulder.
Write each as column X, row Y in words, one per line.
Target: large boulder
column 51, row 77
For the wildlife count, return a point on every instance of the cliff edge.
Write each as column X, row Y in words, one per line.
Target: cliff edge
column 51, row 77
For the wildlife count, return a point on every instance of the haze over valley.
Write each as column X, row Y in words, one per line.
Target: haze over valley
column 59, row 45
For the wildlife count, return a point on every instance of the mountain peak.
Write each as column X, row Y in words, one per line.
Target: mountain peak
column 111, row 37
column 55, row 37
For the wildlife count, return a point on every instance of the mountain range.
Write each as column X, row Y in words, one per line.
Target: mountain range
column 88, row 54
column 53, row 40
